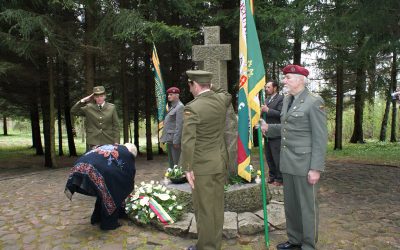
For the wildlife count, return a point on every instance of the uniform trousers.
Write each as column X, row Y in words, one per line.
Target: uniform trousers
column 301, row 210
column 173, row 154
column 208, row 203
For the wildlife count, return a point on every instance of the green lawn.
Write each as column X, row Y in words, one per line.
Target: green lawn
column 372, row 152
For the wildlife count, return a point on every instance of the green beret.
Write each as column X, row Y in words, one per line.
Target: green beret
column 99, row 90
column 199, row 76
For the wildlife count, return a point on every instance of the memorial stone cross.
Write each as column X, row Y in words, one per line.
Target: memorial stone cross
column 212, row 56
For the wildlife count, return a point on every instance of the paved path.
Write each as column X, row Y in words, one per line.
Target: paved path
column 360, row 209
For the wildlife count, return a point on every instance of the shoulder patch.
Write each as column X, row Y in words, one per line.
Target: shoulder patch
column 187, row 113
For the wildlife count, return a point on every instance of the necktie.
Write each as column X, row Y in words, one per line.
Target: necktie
column 290, row 102
column 100, row 107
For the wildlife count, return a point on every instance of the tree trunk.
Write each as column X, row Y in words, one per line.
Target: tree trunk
column 339, row 104
column 125, row 97
column 47, row 100
column 393, row 78
column 297, row 44
column 136, row 100
column 35, row 123
column 67, row 109
column 148, row 104
column 382, row 134
column 358, row 133
column 89, row 56
column 59, row 107
column 5, row 125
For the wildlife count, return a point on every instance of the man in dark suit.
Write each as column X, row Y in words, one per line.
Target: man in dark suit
column 204, row 156
column 272, row 109
column 303, row 148
column 102, row 124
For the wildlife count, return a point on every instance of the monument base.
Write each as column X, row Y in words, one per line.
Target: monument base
column 239, row 198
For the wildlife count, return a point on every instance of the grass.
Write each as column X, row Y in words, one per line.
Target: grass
column 372, row 152
column 15, row 145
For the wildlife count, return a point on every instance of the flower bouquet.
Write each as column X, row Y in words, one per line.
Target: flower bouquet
column 153, row 202
column 176, row 175
column 254, row 173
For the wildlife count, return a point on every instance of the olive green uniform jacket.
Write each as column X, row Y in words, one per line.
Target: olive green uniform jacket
column 304, row 134
column 203, row 145
column 102, row 125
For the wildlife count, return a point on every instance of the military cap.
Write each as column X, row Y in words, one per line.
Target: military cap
column 199, row 76
column 295, row 69
column 173, row 90
column 99, row 90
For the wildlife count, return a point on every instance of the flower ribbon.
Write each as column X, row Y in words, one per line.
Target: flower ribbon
column 162, row 215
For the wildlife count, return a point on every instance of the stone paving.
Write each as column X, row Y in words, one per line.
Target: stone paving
column 360, row 209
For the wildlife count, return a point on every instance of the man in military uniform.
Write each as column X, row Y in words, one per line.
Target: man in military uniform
column 304, row 141
column 204, row 156
column 172, row 131
column 272, row 109
column 102, row 124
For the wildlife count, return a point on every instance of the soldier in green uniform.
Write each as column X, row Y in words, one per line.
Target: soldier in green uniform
column 102, row 124
column 204, row 156
column 304, row 139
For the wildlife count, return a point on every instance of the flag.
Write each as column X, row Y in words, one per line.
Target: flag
column 251, row 82
column 160, row 92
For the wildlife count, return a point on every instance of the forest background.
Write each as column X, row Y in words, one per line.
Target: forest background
column 53, row 52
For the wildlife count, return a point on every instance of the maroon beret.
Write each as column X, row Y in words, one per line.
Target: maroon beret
column 173, row 90
column 295, row 69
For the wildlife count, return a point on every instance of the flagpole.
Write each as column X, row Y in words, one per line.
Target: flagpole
column 263, row 187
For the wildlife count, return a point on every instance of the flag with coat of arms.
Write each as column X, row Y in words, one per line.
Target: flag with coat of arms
column 251, row 82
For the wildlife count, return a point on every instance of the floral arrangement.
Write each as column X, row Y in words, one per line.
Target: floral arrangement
column 176, row 173
column 253, row 172
column 153, row 202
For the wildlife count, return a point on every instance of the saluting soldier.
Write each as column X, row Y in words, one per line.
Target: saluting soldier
column 304, row 140
column 102, row 124
column 204, row 156
column 173, row 121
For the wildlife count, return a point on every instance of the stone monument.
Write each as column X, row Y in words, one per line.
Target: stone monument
column 212, row 56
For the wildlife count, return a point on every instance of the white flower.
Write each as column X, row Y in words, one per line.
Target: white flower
column 170, row 208
column 134, row 197
column 157, row 182
column 251, row 167
column 163, row 188
column 137, row 217
column 144, row 201
column 152, row 215
column 152, row 182
column 179, row 207
column 168, row 192
column 149, row 190
column 169, row 169
column 142, row 183
column 164, row 197
column 173, row 197
column 134, row 207
column 141, row 190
